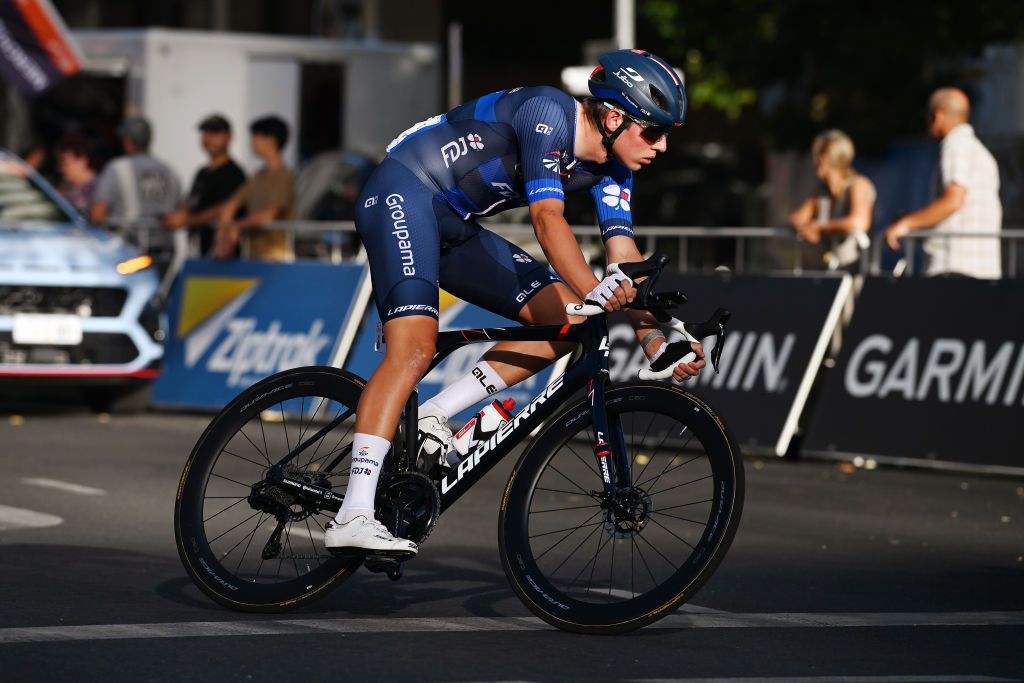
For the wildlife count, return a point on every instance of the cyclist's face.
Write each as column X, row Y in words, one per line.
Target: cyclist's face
column 637, row 146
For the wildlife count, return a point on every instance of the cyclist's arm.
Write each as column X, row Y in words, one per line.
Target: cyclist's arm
column 560, row 246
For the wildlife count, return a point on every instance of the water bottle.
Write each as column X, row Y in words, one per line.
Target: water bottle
column 480, row 428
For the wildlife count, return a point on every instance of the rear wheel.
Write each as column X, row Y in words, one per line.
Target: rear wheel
column 251, row 544
column 591, row 563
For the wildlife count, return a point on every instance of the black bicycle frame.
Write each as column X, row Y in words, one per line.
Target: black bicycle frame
column 590, row 370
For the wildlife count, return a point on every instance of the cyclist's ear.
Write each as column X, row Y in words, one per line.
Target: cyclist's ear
column 613, row 120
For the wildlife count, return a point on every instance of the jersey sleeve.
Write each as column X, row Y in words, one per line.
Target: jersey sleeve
column 612, row 196
column 543, row 132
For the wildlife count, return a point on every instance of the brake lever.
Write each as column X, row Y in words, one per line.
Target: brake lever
column 713, row 326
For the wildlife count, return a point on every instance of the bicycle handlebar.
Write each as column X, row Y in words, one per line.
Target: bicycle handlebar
column 657, row 303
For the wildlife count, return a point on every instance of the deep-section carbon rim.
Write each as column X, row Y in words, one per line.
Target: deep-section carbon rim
column 250, row 544
column 586, row 562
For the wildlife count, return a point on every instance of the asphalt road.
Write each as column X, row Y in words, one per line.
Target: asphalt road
column 880, row 575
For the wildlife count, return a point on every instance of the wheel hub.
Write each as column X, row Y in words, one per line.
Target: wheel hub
column 627, row 512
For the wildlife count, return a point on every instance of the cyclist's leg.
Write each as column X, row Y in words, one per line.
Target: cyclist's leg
column 397, row 225
column 491, row 272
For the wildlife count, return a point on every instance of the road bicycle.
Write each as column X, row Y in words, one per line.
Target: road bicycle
column 617, row 512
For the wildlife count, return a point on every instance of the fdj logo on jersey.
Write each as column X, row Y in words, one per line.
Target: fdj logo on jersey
column 236, row 346
column 460, row 147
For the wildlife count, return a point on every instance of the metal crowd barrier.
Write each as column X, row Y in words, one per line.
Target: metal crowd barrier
column 756, row 249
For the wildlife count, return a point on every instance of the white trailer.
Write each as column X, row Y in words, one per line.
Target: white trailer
column 176, row 78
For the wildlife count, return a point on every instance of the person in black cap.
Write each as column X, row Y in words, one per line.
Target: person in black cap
column 213, row 184
column 137, row 188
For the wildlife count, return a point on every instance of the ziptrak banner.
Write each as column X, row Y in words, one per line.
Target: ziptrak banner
column 931, row 371
column 36, row 51
column 774, row 345
column 455, row 314
column 234, row 323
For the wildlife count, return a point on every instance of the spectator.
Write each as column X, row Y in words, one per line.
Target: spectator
column 267, row 196
column 968, row 198
column 841, row 205
column 78, row 175
column 135, row 188
column 213, row 185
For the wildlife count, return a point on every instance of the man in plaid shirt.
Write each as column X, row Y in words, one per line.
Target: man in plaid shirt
column 968, row 198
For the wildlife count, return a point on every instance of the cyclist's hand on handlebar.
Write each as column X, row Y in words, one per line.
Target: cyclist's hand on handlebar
column 686, row 369
column 613, row 292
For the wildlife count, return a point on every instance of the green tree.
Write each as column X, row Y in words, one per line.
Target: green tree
column 803, row 65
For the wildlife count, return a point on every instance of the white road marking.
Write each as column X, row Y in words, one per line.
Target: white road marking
column 829, row 679
column 20, row 518
column 66, row 486
column 258, row 627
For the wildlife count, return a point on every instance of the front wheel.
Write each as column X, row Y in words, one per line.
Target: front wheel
column 588, row 562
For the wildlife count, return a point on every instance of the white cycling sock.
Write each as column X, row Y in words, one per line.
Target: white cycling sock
column 481, row 382
column 368, row 453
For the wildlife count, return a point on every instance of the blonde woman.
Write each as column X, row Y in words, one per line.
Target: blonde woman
column 842, row 204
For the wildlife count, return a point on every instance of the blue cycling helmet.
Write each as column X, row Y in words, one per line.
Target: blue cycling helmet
column 641, row 84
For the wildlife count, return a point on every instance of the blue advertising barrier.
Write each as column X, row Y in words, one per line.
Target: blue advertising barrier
column 455, row 315
column 234, row 323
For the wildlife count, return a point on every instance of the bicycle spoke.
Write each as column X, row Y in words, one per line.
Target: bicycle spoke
column 644, row 560
column 666, row 469
column 611, row 568
column 651, row 456
column 258, row 464
column 266, row 456
column 577, row 507
column 570, row 493
column 569, row 534
column 682, row 464
column 655, row 549
column 673, row 533
column 685, row 519
column 582, row 490
column 580, row 545
column 687, row 483
column 586, row 464
column 212, row 541
column 683, row 505
column 284, row 424
column 221, row 476
column 251, row 536
column 600, row 547
column 224, row 510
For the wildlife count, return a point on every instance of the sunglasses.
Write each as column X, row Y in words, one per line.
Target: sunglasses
column 650, row 132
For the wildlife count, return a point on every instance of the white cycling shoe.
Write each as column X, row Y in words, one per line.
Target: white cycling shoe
column 436, row 441
column 362, row 535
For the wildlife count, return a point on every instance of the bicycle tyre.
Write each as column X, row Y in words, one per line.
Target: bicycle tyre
column 525, row 504
column 213, row 574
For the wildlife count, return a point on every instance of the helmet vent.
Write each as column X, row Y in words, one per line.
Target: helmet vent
column 659, row 99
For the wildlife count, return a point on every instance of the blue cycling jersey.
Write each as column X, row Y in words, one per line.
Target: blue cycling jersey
column 512, row 148
column 506, row 149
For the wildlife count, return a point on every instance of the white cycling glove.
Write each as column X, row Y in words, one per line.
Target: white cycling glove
column 605, row 289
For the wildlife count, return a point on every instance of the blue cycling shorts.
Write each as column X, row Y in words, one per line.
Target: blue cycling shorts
column 415, row 242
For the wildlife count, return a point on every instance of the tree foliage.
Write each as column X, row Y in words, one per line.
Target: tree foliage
column 803, row 65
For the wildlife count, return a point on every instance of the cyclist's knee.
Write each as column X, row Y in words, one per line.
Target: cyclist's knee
column 547, row 307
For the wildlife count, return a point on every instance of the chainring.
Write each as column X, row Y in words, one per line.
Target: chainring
column 408, row 504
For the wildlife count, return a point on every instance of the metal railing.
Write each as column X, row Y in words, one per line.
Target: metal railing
column 1008, row 238
column 755, row 249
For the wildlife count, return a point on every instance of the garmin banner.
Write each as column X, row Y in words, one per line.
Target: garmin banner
column 233, row 323
column 774, row 345
column 455, row 314
column 36, row 51
column 931, row 371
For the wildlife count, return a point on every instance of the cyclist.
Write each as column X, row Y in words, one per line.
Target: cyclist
column 524, row 146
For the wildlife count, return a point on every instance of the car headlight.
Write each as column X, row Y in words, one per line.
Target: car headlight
column 134, row 265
